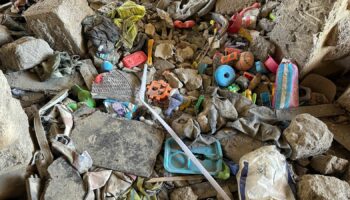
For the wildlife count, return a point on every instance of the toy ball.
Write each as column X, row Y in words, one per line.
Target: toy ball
column 107, row 66
column 245, row 62
column 224, row 75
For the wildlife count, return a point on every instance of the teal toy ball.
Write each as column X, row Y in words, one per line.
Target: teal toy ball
column 107, row 66
column 224, row 75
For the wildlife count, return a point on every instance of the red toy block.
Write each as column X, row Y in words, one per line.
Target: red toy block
column 134, row 59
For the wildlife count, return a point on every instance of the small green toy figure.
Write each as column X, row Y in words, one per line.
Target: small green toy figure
column 84, row 96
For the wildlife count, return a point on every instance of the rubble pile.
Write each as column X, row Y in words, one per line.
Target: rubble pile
column 198, row 99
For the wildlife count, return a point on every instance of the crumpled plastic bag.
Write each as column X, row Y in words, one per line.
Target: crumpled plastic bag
column 186, row 126
column 128, row 15
column 102, row 32
column 56, row 66
column 191, row 8
column 264, row 174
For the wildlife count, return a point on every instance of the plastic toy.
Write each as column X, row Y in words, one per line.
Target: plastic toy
column 248, row 75
column 271, row 65
column 199, row 103
column 184, row 25
column 176, row 161
column 175, row 101
column 265, row 99
column 242, row 82
column 235, row 23
column 158, row 90
column 224, row 75
column 234, row 56
column 84, row 96
column 134, row 59
column 149, row 51
column 249, row 22
column 245, row 62
column 202, row 67
column 233, row 88
column 260, row 67
column 107, row 66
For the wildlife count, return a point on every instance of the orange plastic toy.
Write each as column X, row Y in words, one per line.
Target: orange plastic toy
column 158, row 90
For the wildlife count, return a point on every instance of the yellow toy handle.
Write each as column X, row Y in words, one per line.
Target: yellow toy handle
column 149, row 51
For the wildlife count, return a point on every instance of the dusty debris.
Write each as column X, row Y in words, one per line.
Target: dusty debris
column 162, row 65
column 183, row 54
column 328, row 164
column 189, row 77
column 164, row 51
column 88, row 72
column 126, row 146
column 344, row 100
column 322, row 187
column 5, row 35
column 52, row 21
column 307, row 136
column 172, row 79
column 184, row 193
column 24, row 53
column 231, row 6
column 65, row 182
column 150, row 29
column 261, row 48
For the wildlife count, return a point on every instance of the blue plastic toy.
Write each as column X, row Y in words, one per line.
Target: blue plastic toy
column 107, row 66
column 176, row 161
column 260, row 67
column 224, row 75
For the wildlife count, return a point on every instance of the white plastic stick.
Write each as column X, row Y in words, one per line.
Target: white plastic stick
column 183, row 146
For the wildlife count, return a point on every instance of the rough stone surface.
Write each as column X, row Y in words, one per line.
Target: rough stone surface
column 59, row 23
column 328, row 164
column 185, row 193
column 124, row 145
column 346, row 176
column 65, row 182
column 307, row 136
column 173, row 81
column 5, row 35
column 231, row 6
column 24, row 53
column 162, row 65
column 184, row 54
column 190, row 77
column 266, row 25
column 344, row 100
column 236, row 145
column 296, row 24
column 261, row 48
column 318, row 187
column 16, row 146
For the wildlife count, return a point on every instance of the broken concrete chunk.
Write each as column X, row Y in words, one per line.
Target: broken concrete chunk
column 16, row 146
column 346, row 176
column 344, row 100
column 266, row 24
column 65, row 182
column 162, row 65
column 116, row 85
column 184, row 54
column 24, row 53
column 164, row 51
column 184, row 193
column 52, row 21
column 328, row 164
column 124, row 145
column 307, row 136
column 190, row 77
column 173, row 81
column 5, row 35
column 261, row 48
column 88, row 72
column 230, row 7
column 318, row 187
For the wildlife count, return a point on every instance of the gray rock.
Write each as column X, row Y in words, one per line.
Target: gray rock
column 190, row 77
column 344, row 99
column 318, row 187
column 16, row 146
column 261, row 48
column 65, row 182
column 5, row 35
column 185, row 193
column 124, row 145
column 266, row 24
column 328, row 164
column 184, row 54
column 59, row 23
column 173, row 81
column 307, row 136
column 346, row 176
column 161, row 64
column 24, row 53
column 231, row 6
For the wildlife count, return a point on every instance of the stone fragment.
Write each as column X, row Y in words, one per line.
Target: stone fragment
column 344, row 99
column 52, row 20
column 230, row 7
column 307, row 136
column 184, row 54
column 16, row 146
column 190, row 77
column 235, row 146
column 65, row 182
column 261, row 47
column 328, row 164
column 24, row 53
column 150, row 29
column 346, row 176
column 162, row 65
column 318, row 187
column 88, row 72
column 123, row 145
column 5, row 35
column 173, row 81
column 164, row 51
column 184, row 193
column 266, row 25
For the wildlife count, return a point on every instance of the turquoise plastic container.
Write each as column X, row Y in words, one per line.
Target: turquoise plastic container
column 176, row 161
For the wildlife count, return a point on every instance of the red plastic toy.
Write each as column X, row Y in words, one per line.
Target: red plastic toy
column 186, row 24
column 134, row 59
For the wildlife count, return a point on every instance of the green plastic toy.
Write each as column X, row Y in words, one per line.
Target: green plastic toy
column 84, row 96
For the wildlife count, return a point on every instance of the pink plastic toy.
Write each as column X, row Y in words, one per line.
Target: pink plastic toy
column 271, row 65
column 134, row 59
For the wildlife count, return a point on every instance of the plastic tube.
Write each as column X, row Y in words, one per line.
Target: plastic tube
column 183, row 146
